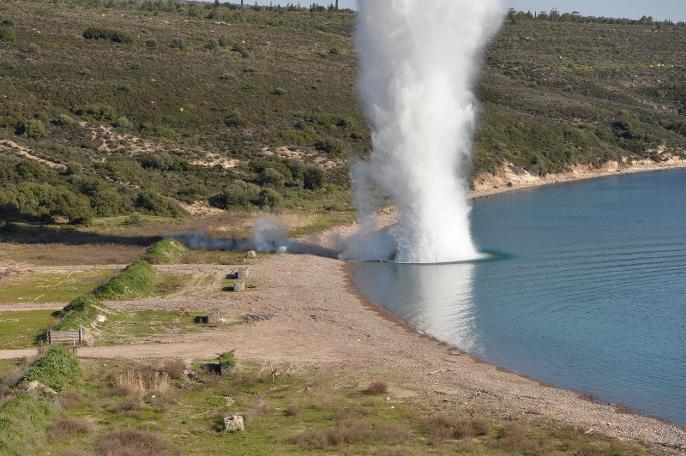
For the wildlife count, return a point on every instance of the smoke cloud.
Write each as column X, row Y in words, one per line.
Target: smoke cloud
column 419, row 64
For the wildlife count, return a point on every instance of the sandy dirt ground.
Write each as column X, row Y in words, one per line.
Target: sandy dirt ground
column 317, row 319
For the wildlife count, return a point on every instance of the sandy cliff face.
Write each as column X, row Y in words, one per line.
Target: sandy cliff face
column 510, row 177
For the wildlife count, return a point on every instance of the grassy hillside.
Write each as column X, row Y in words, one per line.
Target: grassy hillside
column 119, row 108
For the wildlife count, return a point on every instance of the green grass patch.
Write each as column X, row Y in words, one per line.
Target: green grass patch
column 30, row 287
column 24, row 329
column 135, row 327
column 140, row 280
column 24, row 421
column 301, row 414
column 57, row 368
column 166, row 251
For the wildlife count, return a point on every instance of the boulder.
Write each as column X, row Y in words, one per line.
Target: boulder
column 234, row 423
column 251, row 254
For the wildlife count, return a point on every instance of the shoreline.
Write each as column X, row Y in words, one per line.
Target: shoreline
column 387, row 315
column 489, row 185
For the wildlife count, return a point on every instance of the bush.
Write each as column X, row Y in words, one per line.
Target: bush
column 131, row 443
column 65, row 121
column 272, row 178
column 57, row 368
column 279, row 91
column 156, row 204
column 177, row 43
column 351, row 432
column 314, row 178
column 67, row 427
column 33, row 129
column 166, row 251
column 73, row 168
column 227, row 359
column 377, row 387
column 331, row 146
column 268, row 199
column 442, row 426
column 103, row 34
column 43, row 203
column 234, row 120
column 98, row 111
column 240, row 49
column 123, row 122
column 136, row 281
column 7, row 34
column 238, row 194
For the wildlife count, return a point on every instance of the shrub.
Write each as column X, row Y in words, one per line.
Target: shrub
column 65, row 121
column 240, row 49
column 293, row 410
column 269, row 199
column 73, row 168
column 166, row 251
column 237, row 194
column 279, row 91
column 104, row 34
column 272, row 178
column 7, row 34
column 227, row 359
column 131, row 442
column 67, row 427
column 377, row 387
column 151, row 44
column 157, row 204
column 212, row 44
column 33, row 129
column 177, row 43
column 314, row 178
column 44, row 203
column 234, row 120
column 351, row 432
column 57, row 368
column 136, row 281
column 331, row 146
column 123, row 122
column 98, row 111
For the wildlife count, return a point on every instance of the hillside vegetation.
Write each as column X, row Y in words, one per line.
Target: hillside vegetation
column 110, row 108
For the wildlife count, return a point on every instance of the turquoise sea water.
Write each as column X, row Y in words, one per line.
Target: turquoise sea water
column 585, row 289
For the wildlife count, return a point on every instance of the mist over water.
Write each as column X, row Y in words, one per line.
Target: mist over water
column 419, row 65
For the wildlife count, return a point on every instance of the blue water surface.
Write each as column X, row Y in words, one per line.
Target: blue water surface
column 587, row 289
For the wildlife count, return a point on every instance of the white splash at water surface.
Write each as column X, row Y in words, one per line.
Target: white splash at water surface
column 420, row 60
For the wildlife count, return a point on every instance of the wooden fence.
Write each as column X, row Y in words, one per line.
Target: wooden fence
column 66, row 337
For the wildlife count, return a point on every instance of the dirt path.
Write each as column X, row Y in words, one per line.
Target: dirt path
column 316, row 319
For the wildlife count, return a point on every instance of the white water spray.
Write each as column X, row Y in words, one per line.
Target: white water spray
column 420, row 60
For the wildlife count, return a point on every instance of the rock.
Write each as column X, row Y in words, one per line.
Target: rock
column 251, row 254
column 234, row 423
column 101, row 319
column 36, row 385
column 243, row 274
column 239, row 285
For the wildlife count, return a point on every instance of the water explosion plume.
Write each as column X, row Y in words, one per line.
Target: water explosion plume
column 419, row 64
